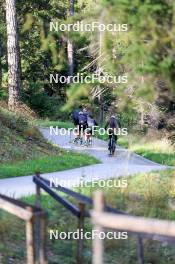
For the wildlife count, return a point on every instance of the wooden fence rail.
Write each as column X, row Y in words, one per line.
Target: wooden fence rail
column 45, row 184
column 139, row 225
column 29, row 214
column 79, row 212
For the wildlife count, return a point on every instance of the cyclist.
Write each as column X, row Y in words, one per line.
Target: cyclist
column 86, row 111
column 75, row 119
column 82, row 124
column 75, row 115
column 88, row 133
column 112, row 124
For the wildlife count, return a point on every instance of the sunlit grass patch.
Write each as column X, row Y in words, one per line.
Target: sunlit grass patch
column 44, row 164
column 48, row 123
column 159, row 150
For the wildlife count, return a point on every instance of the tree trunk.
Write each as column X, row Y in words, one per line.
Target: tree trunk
column 70, row 48
column 13, row 55
column 101, row 115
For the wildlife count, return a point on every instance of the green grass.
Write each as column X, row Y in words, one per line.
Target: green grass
column 24, row 150
column 161, row 158
column 50, row 163
column 48, row 123
column 149, row 195
column 159, row 150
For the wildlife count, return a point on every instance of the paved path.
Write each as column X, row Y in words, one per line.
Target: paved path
column 123, row 164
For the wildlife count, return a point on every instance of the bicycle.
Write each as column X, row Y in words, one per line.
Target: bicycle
column 112, row 145
column 77, row 137
column 88, row 137
column 80, row 135
column 88, row 142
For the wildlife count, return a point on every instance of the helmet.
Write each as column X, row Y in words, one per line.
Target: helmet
column 85, row 109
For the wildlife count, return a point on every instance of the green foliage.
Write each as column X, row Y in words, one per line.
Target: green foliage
column 147, row 50
column 145, row 53
column 150, row 37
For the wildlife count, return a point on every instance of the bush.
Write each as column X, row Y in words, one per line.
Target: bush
column 32, row 132
column 41, row 102
column 13, row 121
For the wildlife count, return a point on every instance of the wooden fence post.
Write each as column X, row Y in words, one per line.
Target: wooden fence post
column 42, row 244
column 38, row 196
column 97, row 242
column 30, row 240
column 38, row 193
column 140, row 255
column 80, row 227
column 40, row 229
column 37, row 222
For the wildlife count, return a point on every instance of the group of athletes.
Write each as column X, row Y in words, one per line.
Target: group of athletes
column 84, row 122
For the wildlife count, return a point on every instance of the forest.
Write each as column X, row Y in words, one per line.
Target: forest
column 144, row 53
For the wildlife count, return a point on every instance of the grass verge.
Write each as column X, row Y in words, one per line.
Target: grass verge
column 62, row 161
column 160, row 150
column 24, row 150
column 48, row 123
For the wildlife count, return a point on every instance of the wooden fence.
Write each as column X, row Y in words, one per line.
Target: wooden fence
column 135, row 225
column 29, row 214
column 80, row 212
column 107, row 212
column 103, row 216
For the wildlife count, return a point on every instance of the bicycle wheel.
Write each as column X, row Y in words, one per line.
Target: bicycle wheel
column 75, row 141
column 110, row 146
column 113, row 146
column 90, row 141
column 81, row 140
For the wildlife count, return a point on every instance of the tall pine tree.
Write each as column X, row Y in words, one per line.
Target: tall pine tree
column 13, row 55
